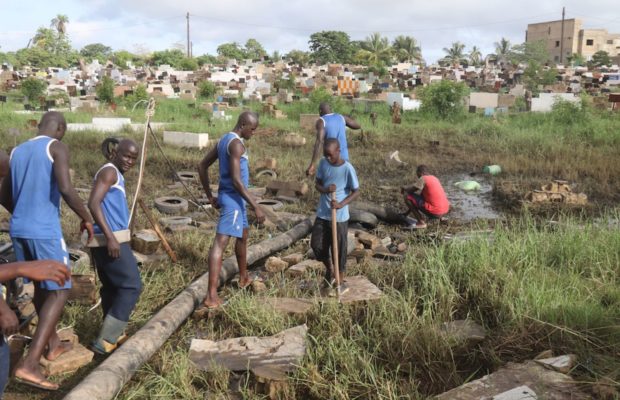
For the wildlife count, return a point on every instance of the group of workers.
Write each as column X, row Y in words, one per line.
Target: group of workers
column 36, row 176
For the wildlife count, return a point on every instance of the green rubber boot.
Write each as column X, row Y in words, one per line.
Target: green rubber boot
column 110, row 335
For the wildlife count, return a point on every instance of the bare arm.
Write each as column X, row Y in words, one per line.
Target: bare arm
column 60, row 154
column 105, row 179
column 318, row 145
column 322, row 189
column 351, row 123
column 351, row 197
column 203, row 172
column 236, row 151
column 6, row 194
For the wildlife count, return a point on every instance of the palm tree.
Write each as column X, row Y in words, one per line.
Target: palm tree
column 503, row 49
column 475, row 56
column 60, row 24
column 454, row 54
column 378, row 49
column 407, row 48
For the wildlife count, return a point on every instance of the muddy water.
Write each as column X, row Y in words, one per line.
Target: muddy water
column 467, row 206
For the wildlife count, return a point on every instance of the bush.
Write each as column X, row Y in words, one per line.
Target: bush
column 105, row 90
column 139, row 94
column 33, row 88
column 567, row 113
column 207, row 89
column 443, row 99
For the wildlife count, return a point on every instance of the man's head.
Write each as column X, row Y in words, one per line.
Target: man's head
column 324, row 108
column 125, row 155
column 421, row 170
column 246, row 124
column 331, row 151
column 4, row 164
column 53, row 124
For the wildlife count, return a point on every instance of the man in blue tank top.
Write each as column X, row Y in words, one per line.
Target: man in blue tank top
column 331, row 126
column 232, row 198
column 39, row 176
column 116, row 265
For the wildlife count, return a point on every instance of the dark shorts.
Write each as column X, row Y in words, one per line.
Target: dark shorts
column 418, row 202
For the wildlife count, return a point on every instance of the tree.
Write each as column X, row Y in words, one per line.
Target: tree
column 530, row 52
column 187, row 64
column 254, row 50
column 170, row 57
column 330, row 46
column 376, row 50
column 503, row 50
column 60, row 24
column 475, row 56
column 123, row 57
column 577, row 60
column 406, row 48
column 455, row 54
column 33, row 88
column 275, row 56
column 96, row 51
column 105, row 90
column 600, row 59
column 231, row 51
column 206, row 59
column 443, row 99
column 298, row 57
column 535, row 74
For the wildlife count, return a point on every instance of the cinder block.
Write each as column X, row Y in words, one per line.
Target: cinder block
column 186, row 139
column 67, row 362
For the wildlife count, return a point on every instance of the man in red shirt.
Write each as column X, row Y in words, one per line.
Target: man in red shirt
column 431, row 202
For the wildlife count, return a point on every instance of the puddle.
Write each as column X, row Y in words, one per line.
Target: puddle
column 468, row 206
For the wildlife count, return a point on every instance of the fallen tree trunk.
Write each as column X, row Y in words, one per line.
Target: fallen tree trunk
column 105, row 381
column 384, row 213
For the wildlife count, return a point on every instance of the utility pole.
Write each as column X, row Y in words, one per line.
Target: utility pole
column 189, row 51
column 561, row 37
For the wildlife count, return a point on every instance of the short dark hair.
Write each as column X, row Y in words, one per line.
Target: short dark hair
column 331, row 141
column 422, row 169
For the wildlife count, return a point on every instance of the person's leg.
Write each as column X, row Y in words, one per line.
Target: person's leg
column 241, row 248
column 320, row 242
column 342, row 229
column 417, row 205
column 215, row 266
column 107, row 291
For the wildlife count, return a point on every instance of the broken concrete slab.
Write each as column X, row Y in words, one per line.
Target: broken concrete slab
column 360, row 289
column 368, row 240
column 186, row 139
column 145, row 259
column 288, row 305
column 275, row 264
column 518, row 393
column 270, row 357
column 543, row 382
column 67, row 362
column 563, row 364
column 464, row 330
column 145, row 241
column 304, row 267
column 293, row 258
column 83, row 289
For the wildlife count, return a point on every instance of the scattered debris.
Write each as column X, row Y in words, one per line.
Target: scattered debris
column 145, row 259
column 83, row 289
column 561, row 364
column 556, row 192
column 275, row 264
column 294, row 258
column 290, row 189
column 303, row 267
column 171, row 205
column 267, row 172
column 368, row 240
column 393, row 160
column 174, row 221
column 468, row 186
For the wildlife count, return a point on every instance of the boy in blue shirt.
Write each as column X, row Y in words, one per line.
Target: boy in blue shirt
column 333, row 175
column 116, row 265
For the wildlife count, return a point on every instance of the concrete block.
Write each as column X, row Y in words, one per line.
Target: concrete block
column 145, row 241
column 484, row 100
column 186, row 139
column 67, row 362
column 275, row 264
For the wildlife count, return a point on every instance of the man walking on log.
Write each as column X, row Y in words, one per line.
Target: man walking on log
column 39, row 175
column 331, row 125
column 116, row 265
column 232, row 198
column 334, row 175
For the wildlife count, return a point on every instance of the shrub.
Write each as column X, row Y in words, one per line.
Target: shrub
column 568, row 113
column 443, row 99
column 207, row 89
column 33, row 88
column 105, row 90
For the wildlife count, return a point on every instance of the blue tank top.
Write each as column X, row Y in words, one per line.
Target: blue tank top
column 336, row 128
column 223, row 154
column 36, row 198
column 114, row 203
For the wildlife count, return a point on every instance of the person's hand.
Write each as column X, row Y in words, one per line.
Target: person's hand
column 9, row 324
column 260, row 215
column 214, row 203
column 331, row 188
column 114, row 248
column 336, row 205
column 310, row 171
column 87, row 226
column 45, row 270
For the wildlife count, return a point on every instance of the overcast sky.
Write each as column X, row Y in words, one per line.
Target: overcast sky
column 149, row 25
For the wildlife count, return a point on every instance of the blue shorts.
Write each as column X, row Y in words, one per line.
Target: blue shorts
column 233, row 215
column 43, row 249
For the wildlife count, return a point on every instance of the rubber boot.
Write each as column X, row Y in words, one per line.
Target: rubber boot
column 109, row 336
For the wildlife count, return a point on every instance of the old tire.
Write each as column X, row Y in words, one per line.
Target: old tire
column 365, row 218
column 171, row 205
column 175, row 221
column 275, row 205
column 79, row 259
column 188, row 176
column 267, row 172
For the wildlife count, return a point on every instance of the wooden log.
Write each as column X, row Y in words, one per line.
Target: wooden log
column 105, row 381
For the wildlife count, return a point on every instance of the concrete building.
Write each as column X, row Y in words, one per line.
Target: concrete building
column 584, row 42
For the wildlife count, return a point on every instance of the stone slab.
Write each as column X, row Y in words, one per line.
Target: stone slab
column 288, row 305
column 67, row 362
column 149, row 258
column 186, row 139
column 360, row 289
column 304, row 267
column 270, row 357
column 561, row 364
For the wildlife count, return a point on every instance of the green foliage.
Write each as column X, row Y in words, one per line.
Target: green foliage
column 9, row 57
column 231, row 51
column 105, row 90
column 331, row 46
column 564, row 112
column 254, row 50
column 96, row 51
column 33, row 88
column 206, row 59
column 207, row 89
column 443, row 99
column 376, row 50
column 172, row 57
column 455, row 54
column 577, row 60
column 299, row 57
column 188, row 64
column 139, row 94
column 600, row 59
column 529, row 52
column 535, row 74
column 406, row 48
